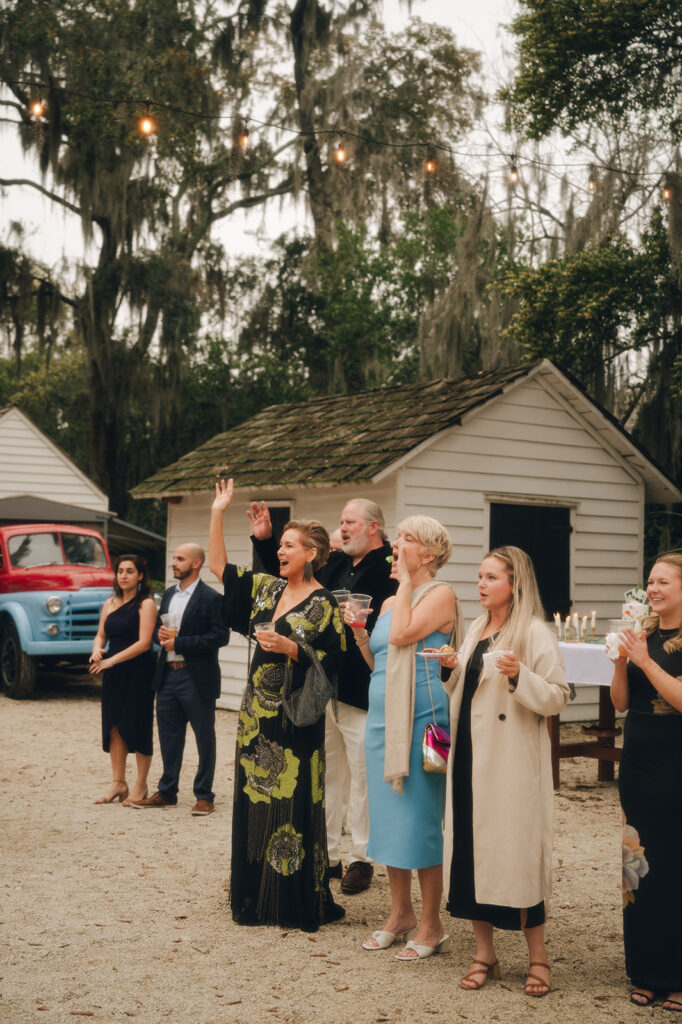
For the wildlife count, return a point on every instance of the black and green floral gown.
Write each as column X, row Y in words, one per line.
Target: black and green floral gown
column 279, row 838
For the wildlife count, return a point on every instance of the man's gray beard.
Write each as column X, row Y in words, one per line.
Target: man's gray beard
column 356, row 547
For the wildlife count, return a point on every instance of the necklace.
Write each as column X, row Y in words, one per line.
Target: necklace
column 667, row 633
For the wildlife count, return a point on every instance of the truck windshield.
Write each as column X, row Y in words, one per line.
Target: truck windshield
column 27, row 550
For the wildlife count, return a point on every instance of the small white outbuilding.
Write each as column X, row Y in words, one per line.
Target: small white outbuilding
column 520, row 456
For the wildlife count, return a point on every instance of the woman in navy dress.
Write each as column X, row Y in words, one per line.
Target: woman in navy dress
column 122, row 651
column 648, row 685
column 405, row 802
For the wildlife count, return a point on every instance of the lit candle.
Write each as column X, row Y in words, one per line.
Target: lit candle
column 583, row 627
column 567, row 628
column 576, row 625
column 557, row 623
column 594, row 621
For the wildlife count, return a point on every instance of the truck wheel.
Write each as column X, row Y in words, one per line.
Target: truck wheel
column 17, row 670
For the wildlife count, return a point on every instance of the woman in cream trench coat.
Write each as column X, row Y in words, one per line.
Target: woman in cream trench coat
column 511, row 757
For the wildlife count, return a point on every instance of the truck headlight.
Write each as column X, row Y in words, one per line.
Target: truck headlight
column 54, row 605
column 53, row 629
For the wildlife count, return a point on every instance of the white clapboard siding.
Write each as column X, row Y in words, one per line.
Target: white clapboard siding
column 31, row 464
column 188, row 521
column 525, row 446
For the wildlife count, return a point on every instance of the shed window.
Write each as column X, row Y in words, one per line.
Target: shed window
column 544, row 532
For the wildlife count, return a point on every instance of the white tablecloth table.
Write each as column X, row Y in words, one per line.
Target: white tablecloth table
column 588, row 665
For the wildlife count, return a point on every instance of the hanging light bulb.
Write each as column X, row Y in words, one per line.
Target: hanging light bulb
column 146, row 124
column 430, row 165
column 340, row 153
column 592, row 182
column 513, row 171
column 37, row 109
column 243, row 137
column 667, row 193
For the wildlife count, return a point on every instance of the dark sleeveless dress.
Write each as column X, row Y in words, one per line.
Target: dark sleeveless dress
column 650, row 785
column 127, row 695
column 462, row 895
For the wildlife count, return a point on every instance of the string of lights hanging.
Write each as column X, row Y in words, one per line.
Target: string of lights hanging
column 37, row 110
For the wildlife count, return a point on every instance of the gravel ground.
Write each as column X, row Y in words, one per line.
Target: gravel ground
column 111, row 913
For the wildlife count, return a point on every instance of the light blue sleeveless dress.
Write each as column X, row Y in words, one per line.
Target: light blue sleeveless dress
column 405, row 829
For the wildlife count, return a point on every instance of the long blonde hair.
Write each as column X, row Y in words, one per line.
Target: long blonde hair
column 651, row 624
column 525, row 604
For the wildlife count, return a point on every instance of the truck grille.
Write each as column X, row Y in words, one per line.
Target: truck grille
column 82, row 617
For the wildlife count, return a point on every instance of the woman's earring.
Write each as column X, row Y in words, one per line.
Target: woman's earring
column 308, row 571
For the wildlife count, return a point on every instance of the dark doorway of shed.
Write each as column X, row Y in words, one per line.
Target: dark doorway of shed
column 279, row 517
column 545, row 533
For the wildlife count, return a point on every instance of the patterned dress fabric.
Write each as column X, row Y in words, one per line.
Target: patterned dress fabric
column 650, row 785
column 279, row 841
column 405, row 829
column 127, row 695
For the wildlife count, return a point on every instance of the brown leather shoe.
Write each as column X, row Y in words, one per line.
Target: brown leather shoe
column 357, row 878
column 336, row 870
column 203, row 807
column 155, row 800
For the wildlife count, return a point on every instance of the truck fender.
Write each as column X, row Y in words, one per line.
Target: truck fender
column 17, row 613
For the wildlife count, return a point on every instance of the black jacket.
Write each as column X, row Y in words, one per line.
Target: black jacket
column 202, row 632
column 369, row 576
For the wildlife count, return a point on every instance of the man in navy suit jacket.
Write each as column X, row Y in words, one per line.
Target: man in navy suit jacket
column 187, row 679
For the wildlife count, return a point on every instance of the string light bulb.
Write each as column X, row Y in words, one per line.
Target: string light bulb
column 146, row 124
column 37, row 109
column 513, row 171
column 430, row 165
column 340, row 153
column 667, row 193
column 592, row 182
column 243, row 137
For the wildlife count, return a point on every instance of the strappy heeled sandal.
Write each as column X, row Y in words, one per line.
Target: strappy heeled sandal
column 537, row 981
column 120, row 795
column 486, row 970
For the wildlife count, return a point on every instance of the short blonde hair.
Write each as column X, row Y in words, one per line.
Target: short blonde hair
column 432, row 536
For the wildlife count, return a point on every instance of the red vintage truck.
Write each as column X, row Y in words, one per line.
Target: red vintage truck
column 54, row 580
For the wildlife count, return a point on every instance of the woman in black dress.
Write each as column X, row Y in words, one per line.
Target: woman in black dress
column 499, row 816
column 280, row 869
column 648, row 685
column 126, row 624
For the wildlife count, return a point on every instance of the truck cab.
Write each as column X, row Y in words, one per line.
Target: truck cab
column 54, row 580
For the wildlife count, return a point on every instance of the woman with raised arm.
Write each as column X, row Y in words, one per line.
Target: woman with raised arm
column 279, row 839
column 648, row 685
column 499, row 810
column 126, row 624
column 405, row 802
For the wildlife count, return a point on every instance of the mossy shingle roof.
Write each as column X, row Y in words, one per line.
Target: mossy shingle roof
column 330, row 440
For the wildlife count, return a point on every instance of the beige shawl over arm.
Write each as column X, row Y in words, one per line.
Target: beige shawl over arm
column 401, row 677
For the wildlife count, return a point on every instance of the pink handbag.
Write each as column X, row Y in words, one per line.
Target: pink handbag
column 436, row 741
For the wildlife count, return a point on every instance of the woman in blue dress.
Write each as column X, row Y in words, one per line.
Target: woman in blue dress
column 405, row 802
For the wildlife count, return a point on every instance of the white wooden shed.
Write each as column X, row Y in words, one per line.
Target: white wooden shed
column 40, row 483
column 515, row 456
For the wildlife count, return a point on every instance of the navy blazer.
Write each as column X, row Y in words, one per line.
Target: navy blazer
column 202, row 633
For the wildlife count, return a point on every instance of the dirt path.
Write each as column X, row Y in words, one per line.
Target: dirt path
column 113, row 914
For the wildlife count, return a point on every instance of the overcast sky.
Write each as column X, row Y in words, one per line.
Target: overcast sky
column 476, row 25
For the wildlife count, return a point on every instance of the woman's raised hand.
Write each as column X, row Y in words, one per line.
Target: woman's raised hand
column 223, row 495
column 261, row 525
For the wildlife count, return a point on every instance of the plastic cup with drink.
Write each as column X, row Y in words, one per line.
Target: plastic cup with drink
column 360, row 606
column 171, row 621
